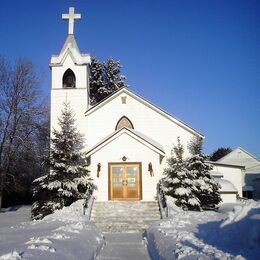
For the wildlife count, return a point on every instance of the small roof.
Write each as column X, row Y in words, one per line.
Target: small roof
column 257, row 179
column 70, row 47
column 140, row 136
column 226, row 164
column 248, row 188
column 216, row 174
column 226, row 186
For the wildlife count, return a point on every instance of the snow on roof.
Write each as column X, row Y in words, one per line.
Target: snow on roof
column 147, row 139
column 226, row 186
column 247, row 188
column 141, row 136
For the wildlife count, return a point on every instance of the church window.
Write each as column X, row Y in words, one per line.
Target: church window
column 69, row 79
column 124, row 122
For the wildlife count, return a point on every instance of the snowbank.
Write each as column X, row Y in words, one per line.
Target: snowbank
column 242, row 227
column 73, row 213
column 227, row 234
column 65, row 234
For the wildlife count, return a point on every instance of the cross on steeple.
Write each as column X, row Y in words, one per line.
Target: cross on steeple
column 71, row 16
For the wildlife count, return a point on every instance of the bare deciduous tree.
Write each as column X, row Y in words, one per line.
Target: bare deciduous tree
column 21, row 116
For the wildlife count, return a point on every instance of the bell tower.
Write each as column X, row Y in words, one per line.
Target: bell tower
column 70, row 78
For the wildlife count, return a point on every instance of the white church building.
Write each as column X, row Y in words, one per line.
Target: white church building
column 128, row 139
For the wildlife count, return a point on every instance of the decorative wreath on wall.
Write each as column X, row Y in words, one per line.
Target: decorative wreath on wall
column 98, row 169
column 150, row 169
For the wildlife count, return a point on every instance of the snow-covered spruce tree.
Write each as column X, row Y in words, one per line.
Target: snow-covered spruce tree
column 179, row 183
column 105, row 79
column 96, row 81
column 68, row 180
column 207, row 188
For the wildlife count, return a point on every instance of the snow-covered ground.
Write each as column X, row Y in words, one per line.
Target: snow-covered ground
column 231, row 233
column 66, row 234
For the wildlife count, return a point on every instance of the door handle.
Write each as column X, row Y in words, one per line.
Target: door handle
column 124, row 182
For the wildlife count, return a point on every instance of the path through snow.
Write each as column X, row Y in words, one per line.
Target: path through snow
column 127, row 246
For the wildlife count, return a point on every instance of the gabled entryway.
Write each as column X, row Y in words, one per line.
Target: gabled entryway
column 125, row 181
column 120, row 165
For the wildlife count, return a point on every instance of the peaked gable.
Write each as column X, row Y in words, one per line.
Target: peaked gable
column 242, row 157
column 134, row 134
column 71, row 48
column 234, row 153
column 147, row 104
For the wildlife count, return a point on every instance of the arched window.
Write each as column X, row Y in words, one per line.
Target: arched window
column 124, row 122
column 69, row 79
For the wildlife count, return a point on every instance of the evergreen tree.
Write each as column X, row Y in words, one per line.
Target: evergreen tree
column 96, row 81
column 207, row 188
column 219, row 153
column 68, row 179
column 105, row 79
column 179, row 182
column 114, row 80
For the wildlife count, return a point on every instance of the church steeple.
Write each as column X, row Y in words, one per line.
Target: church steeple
column 70, row 77
column 70, row 46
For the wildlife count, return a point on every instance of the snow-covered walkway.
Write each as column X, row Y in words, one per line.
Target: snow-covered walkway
column 127, row 246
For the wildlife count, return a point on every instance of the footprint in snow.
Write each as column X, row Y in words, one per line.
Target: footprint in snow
column 59, row 236
column 39, row 240
column 42, row 248
column 68, row 229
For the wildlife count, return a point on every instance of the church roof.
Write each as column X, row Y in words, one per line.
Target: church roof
column 141, row 137
column 71, row 48
column 147, row 103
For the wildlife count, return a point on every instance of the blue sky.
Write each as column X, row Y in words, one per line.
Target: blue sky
column 198, row 60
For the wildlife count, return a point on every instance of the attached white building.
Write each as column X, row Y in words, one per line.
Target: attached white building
column 251, row 175
column 230, row 178
column 128, row 139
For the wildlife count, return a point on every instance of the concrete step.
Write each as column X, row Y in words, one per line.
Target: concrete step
column 122, row 216
column 146, row 214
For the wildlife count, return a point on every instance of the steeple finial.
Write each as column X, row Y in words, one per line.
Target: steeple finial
column 71, row 16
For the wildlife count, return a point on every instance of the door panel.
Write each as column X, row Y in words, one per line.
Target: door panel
column 117, row 181
column 132, row 181
column 125, row 181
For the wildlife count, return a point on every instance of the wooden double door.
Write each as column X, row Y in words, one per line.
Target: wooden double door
column 125, row 181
